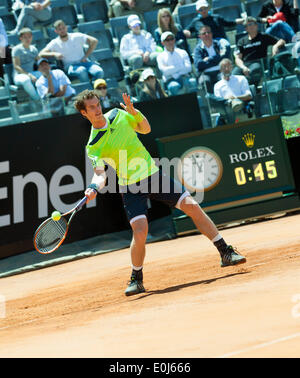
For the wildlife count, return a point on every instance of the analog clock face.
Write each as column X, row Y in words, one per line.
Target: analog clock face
column 200, row 169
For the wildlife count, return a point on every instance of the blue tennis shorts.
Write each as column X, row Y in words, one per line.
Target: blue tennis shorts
column 159, row 187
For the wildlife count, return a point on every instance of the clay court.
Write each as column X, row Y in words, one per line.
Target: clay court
column 192, row 307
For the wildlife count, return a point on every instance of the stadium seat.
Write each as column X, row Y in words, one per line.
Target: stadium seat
column 150, row 20
column 93, row 10
column 79, row 87
column 98, row 30
column 229, row 12
column 9, row 19
column 186, row 13
column 67, row 13
column 111, row 65
column 119, row 27
column 220, row 3
column 38, row 39
column 253, row 7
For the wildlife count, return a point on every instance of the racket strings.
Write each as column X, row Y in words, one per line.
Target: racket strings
column 51, row 234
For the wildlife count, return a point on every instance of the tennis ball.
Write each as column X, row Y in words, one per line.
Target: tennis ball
column 56, row 215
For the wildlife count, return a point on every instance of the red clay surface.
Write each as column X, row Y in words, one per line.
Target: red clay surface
column 192, row 307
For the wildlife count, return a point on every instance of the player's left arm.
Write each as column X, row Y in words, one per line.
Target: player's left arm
column 143, row 126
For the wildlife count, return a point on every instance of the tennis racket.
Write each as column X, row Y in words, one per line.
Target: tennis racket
column 51, row 234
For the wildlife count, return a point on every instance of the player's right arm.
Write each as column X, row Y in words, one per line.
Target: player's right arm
column 97, row 183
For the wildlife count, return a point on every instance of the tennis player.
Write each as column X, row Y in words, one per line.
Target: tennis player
column 114, row 138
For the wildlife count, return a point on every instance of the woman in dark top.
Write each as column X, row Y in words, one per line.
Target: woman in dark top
column 165, row 22
column 281, row 17
column 152, row 89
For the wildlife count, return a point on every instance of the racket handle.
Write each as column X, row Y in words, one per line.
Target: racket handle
column 81, row 203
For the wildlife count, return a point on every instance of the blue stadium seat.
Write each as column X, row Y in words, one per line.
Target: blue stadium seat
column 150, row 20
column 93, row 10
column 9, row 19
column 230, row 13
column 253, row 7
column 119, row 27
column 111, row 65
column 222, row 3
column 67, row 13
column 38, row 39
column 79, row 87
column 186, row 13
column 98, row 30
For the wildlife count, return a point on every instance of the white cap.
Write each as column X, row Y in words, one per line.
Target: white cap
column 146, row 73
column 133, row 20
column 201, row 3
column 165, row 35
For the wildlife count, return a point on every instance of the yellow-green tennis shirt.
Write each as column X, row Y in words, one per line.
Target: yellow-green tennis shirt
column 119, row 146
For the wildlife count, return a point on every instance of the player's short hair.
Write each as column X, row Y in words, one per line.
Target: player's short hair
column 224, row 61
column 249, row 19
column 87, row 94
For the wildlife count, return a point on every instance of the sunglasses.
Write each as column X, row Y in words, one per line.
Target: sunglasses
column 102, row 87
column 205, row 33
column 251, row 24
column 202, row 9
column 170, row 39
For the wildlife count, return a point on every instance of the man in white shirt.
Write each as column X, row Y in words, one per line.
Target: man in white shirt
column 69, row 47
column 175, row 66
column 232, row 91
column 138, row 47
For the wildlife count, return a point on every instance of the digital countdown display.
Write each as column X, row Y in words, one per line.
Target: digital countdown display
column 233, row 162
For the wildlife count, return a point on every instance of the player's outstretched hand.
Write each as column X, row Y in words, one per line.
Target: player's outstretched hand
column 128, row 107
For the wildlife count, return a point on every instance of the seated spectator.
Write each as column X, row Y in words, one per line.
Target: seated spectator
column 24, row 57
column 281, row 18
column 175, row 66
column 207, row 55
column 32, row 11
column 251, row 49
column 214, row 21
column 138, row 47
column 106, row 100
column 55, row 85
column 152, row 90
column 118, row 8
column 233, row 91
column 5, row 49
column 165, row 22
column 69, row 48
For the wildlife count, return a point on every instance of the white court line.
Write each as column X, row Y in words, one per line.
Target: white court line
column 258, row 346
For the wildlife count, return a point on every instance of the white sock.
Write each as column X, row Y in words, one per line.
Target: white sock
column 216, row 238
column 137, row 268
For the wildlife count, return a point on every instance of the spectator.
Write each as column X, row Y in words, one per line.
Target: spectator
column 281, row 18
column 69, row 47
column 106, row 100
column 55, row 85
column 152, row 89
column 32, row 11
column 233, row 91
column 138, row 47
column 175, row 66
column 215, row 22
column 251, row 49
column 207, row 55
column 24, row 57
column 165, row 22
column 5, row 49
column 118, row 8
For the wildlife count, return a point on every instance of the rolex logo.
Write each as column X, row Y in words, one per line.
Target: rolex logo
column 249, row 139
